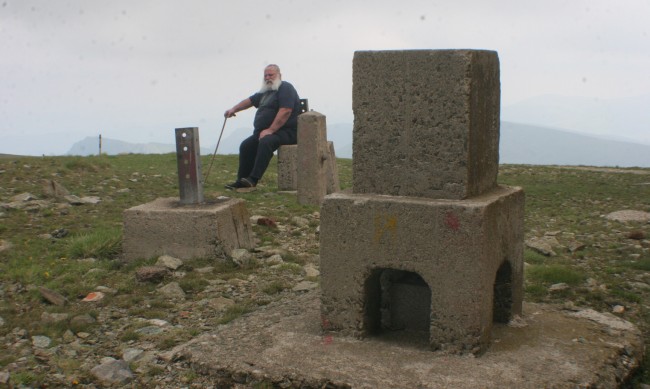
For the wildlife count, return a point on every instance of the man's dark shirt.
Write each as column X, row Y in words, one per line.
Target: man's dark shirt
column 269, row 103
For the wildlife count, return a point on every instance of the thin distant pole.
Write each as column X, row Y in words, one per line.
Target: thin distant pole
column 100, row 145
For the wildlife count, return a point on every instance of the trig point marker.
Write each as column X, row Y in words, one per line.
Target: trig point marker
column 427, row 243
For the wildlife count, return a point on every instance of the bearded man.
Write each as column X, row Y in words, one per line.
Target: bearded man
column 275, row 124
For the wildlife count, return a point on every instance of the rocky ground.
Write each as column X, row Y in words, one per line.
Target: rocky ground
column 117, row 336
column 116, row 347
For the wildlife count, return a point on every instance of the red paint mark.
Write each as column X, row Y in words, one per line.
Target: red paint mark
column 327, row 340
column 451, row 221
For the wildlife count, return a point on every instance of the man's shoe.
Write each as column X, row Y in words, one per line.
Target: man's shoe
column 235, row 185
column 247, row 183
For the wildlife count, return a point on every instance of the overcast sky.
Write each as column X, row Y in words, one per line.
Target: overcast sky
column 135, row 70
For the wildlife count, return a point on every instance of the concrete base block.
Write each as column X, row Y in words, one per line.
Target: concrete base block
column 464, row 258
column 288, row 168
column 207, row 230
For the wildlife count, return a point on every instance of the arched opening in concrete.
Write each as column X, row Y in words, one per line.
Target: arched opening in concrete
column 397, row 306
column 502, row 300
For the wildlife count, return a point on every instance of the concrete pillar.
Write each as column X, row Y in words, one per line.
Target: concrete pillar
column 426, row 122
column 312, row 158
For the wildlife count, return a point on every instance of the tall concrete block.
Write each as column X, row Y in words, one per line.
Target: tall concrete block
column 426, row 122
column 466, row 254
column 208, row 230
column 312, row 157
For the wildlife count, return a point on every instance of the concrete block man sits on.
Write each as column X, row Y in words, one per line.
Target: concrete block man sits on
column 275, row 124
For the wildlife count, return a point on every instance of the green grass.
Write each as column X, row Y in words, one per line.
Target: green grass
column 235, row 311
column 554, row 274
column 101, row 244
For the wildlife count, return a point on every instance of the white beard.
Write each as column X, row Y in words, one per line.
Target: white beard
column 274, row 85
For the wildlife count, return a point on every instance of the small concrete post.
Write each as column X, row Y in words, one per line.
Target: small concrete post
column 312, row 157
column 188, row 157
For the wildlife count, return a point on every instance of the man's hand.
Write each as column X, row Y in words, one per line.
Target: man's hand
column 265, row 133
column 229, row 113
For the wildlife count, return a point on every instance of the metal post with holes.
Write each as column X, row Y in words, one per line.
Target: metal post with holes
column 188, row 157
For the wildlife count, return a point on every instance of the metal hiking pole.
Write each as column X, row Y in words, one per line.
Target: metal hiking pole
column 205, row 180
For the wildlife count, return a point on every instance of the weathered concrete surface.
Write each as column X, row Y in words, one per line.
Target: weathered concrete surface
column 312, row 158
column 546, row 348
column 288, row 168
column 458, row 248
column 426, row 122
column 164, row 226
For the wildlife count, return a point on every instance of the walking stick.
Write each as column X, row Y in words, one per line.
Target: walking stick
column 205, row 180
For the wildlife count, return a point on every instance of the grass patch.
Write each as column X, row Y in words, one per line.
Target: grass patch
column 275, row 287
column 533, row 257
column 100, row 244
column 235, row 311
column 554, row 274
column 643, row 264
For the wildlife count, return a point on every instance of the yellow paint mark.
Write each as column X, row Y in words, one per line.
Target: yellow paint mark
column 385, row 224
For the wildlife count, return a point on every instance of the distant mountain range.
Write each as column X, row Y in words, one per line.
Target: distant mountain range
column 519, row 144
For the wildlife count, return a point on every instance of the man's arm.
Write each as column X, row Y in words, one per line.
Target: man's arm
column 280, row 119
column 242, row 105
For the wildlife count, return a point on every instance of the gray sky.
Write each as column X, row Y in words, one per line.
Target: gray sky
column 135, row 70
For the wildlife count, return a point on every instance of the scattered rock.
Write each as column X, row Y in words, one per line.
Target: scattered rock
column 76, row 200
column 59, row 233
column 629, row 216
column 151, row 273
column 23, row 197
column 52, row 297
column 618, row 309
column 93, row 296
column 107, row 290
column 241, row 257
column 52, row 188
column 273, row 260
column 113, row 372
column 82, row 321
column 576, row 246
column 305, row 286
column 173, row 291
column 558, row 287
column 636, row 235
column 39, row 341
column 4, row 378
column 300, row 221
column 543, row 245
column 169, row 262
column 132, row 354
column 265, row 221
column 5, row 245
column 311, row 271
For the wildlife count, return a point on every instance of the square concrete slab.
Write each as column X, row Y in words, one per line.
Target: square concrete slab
column 208, row 230
column 282, row 345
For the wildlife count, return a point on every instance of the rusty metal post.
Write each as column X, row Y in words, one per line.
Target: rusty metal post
column 188, row 157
